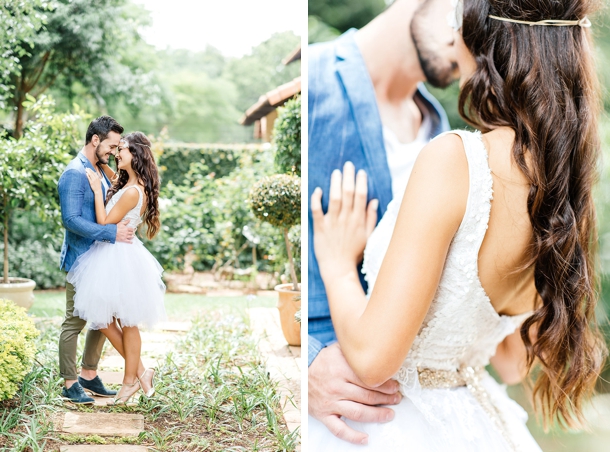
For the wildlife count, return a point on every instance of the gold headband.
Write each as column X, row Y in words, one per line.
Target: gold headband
column 583, row 23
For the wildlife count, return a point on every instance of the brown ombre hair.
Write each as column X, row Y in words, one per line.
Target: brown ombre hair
column 143, row 164
column 540, row 81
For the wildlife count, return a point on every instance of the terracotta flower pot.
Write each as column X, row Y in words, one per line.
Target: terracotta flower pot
column 20, row 291
column 288, row 307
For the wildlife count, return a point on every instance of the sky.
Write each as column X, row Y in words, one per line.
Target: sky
column 232, row 26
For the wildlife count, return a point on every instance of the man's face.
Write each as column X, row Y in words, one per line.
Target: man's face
column 433, row 39
column 107, row 147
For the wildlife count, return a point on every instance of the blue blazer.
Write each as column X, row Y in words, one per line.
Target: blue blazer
column 344, row 125
column 78, row 212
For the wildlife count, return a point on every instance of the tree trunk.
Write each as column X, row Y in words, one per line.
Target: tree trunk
column 19, row 118
column 5, row 279
column 293, row 274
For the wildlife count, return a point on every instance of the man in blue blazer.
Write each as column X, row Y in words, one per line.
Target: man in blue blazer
column 78, row 217
column 367, row 105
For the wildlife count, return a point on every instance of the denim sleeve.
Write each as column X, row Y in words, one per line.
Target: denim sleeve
column 315, row 346
column 71, row 196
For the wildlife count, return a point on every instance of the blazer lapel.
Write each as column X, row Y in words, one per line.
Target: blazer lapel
column 363, row 103
column 87, row 164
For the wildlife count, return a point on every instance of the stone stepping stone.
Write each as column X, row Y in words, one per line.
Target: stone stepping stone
column 99, row 448
column 103, row 424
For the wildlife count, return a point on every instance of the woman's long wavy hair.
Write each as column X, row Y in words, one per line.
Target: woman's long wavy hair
column 540, row 81
column 143, row 164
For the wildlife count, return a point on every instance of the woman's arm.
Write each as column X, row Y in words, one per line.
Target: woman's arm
column 127, row 202
column 375, row 337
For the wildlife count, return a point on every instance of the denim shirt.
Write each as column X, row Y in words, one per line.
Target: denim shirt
column 78, row 212
column 344, row 125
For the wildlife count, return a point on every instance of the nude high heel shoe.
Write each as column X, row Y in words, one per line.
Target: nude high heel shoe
column 151, row 391
column 125, row 400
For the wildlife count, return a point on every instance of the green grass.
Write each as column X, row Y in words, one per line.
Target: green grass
column 213, row 391
column 49, row 303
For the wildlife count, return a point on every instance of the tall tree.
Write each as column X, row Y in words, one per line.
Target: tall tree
column 20, row 21
column 262, row 70
column 84, row 42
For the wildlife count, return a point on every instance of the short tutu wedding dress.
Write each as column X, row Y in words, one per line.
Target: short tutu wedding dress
column 119, row 280
column 450, row 402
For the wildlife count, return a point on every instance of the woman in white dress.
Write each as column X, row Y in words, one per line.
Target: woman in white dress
column 458, row 281
column 131, row 291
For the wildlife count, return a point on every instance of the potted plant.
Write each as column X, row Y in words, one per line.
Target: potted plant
column 29, row 170
column 277, row 200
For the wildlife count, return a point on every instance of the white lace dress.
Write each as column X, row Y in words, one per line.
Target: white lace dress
column 450, row 402
column 121, row 280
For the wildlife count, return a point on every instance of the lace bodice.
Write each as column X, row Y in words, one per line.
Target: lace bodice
column 461, row 328
column 133, row 215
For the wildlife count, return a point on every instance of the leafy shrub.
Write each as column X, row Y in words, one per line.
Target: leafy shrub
column 38, row 261
column 17, row 347
column 277, row 200
column 287, row 137
column 221, row 159
column 206, row 216
column 31, row 166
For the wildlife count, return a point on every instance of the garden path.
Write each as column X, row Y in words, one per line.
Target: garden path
column 155, row 346
column 283, row 361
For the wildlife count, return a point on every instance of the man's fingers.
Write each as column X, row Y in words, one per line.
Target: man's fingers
column 334, row 195
column 363, row 413
column 342, row 431
column 347, row 201
column 371, row 216
column 372, row 397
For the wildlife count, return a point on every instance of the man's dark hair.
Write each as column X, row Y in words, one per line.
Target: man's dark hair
column 101, row 127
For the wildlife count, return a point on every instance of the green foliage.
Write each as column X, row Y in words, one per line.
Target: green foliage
column 345, row 14
column 38, row 261
column 17, row 347
column 287, row 137
column 30, row 167
column 176, row 160
column 204, row 211
column 20, row 21
column 83, row 44
column 277, row 200
column 263, row 70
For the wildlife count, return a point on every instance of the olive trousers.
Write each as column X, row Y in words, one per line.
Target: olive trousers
column 68, row 339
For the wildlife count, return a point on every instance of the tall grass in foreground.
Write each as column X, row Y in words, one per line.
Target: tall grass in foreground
column 213, row 394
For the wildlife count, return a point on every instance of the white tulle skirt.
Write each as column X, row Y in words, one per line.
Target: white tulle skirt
column 440, row 420
column 119, row 280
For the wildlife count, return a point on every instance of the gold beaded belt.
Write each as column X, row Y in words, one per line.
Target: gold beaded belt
column 469, row 377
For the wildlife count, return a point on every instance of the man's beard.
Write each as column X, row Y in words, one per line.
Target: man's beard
column 102, row 158
column 438, row 72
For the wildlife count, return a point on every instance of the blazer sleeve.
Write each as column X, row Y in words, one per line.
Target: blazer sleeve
column 71, row 198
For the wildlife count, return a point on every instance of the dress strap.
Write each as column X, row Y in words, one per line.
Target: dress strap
column 480, row 191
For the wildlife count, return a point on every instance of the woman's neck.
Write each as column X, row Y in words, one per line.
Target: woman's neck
column 133, row 179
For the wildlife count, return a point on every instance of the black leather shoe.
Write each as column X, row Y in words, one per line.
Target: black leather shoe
column 96, row 387
column 76, row 395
